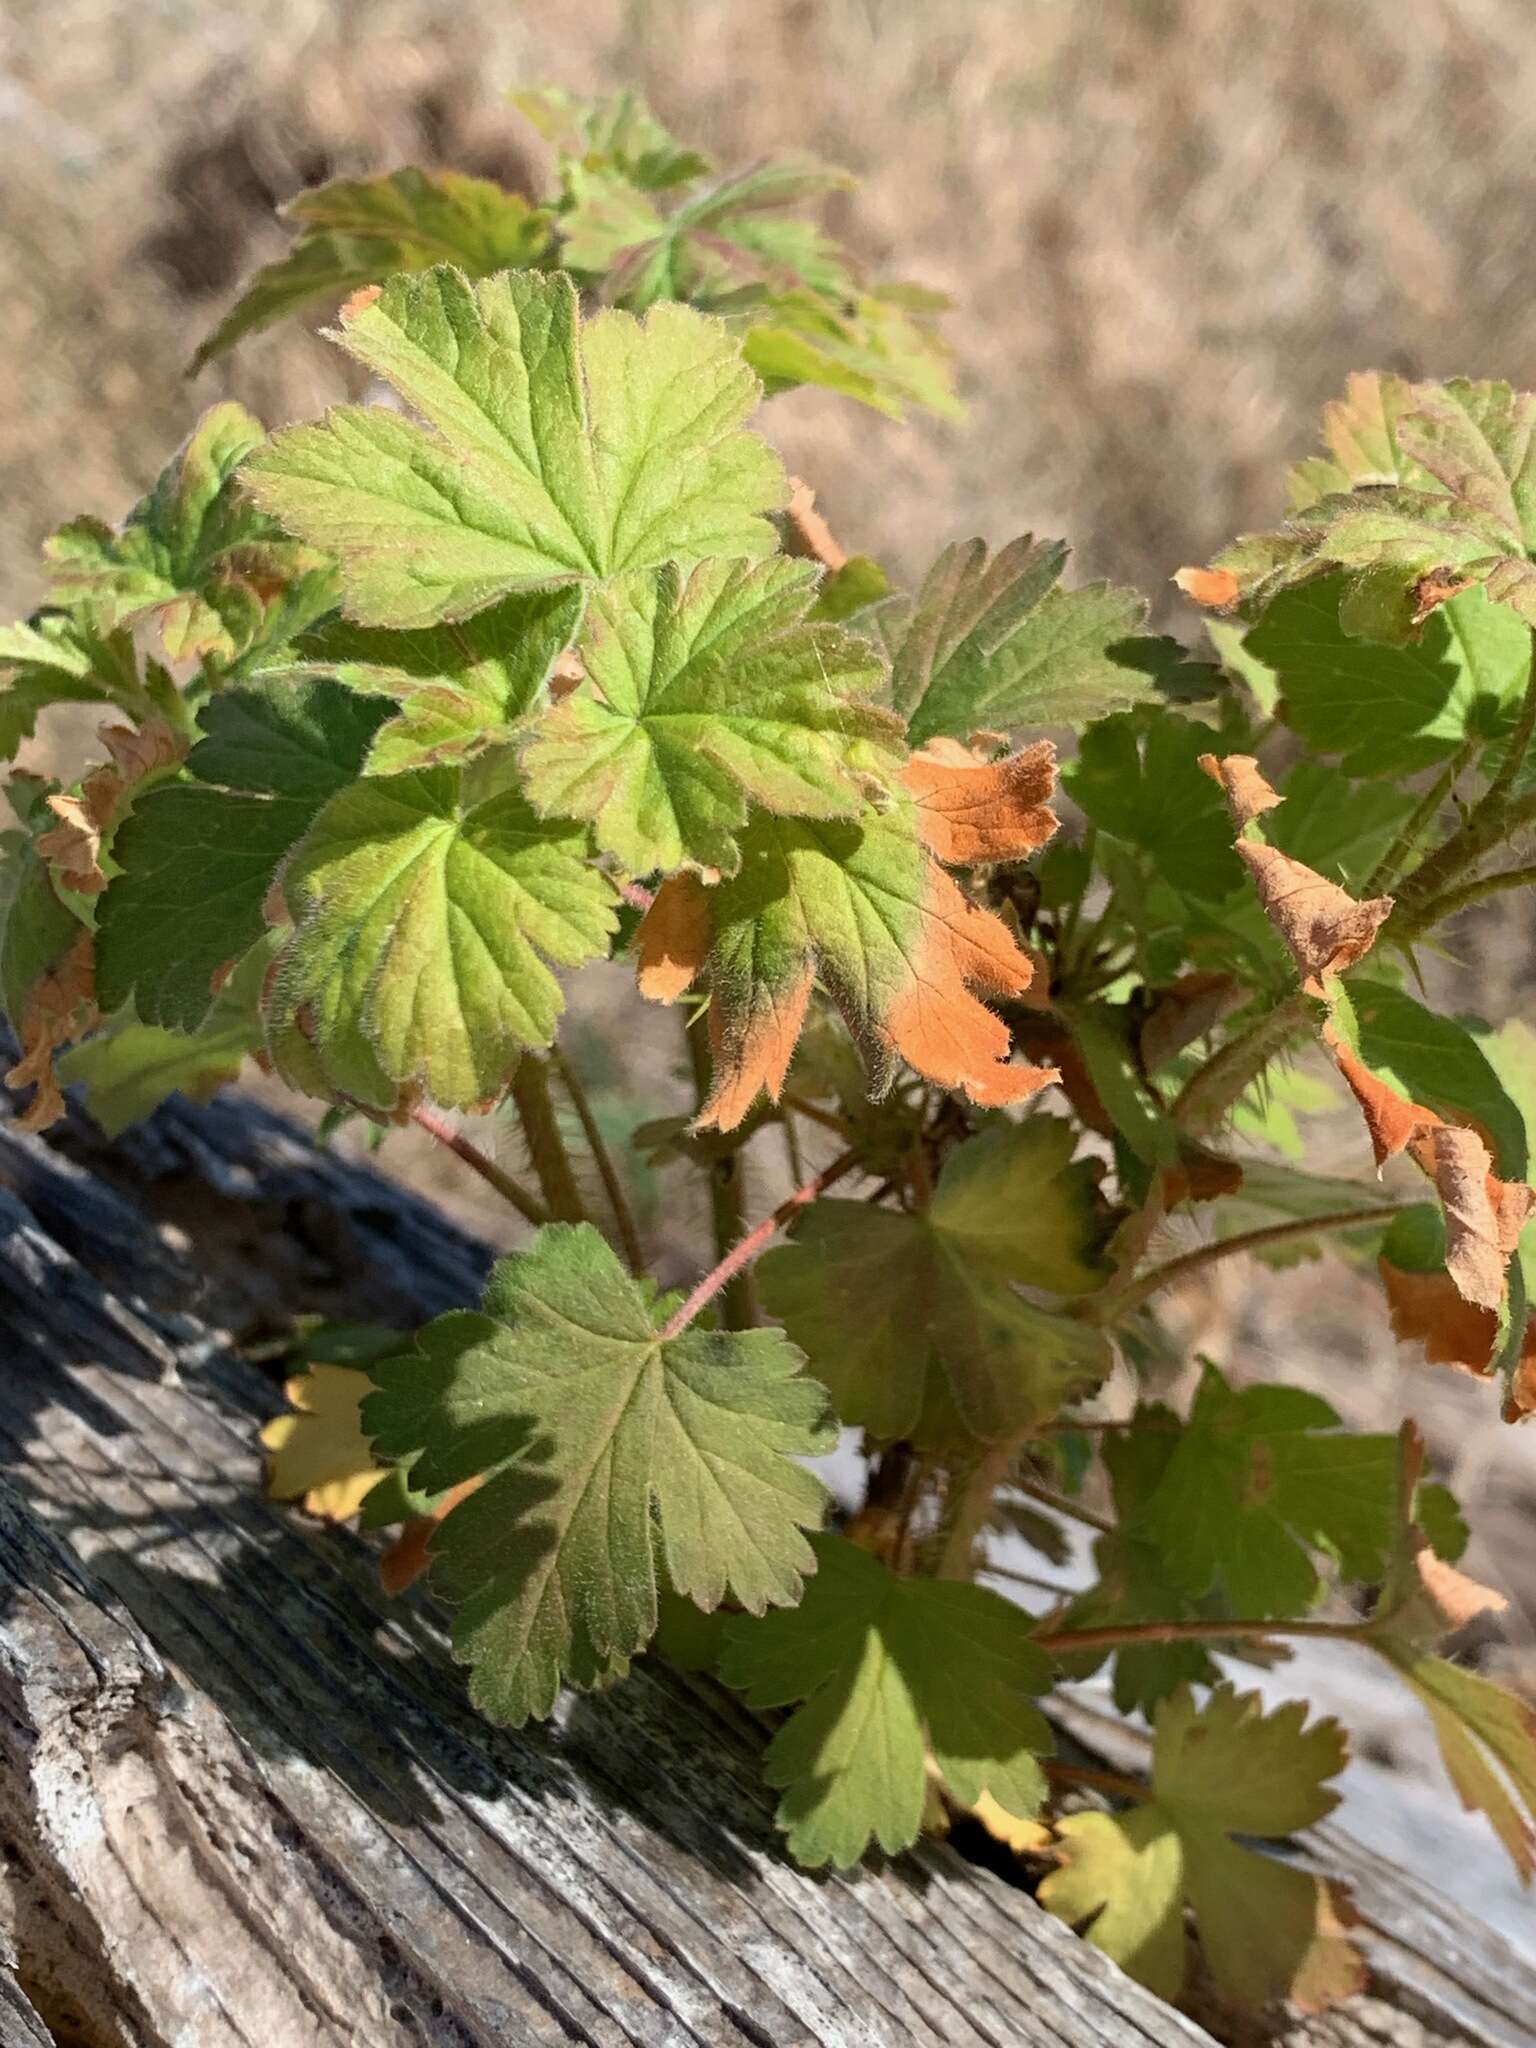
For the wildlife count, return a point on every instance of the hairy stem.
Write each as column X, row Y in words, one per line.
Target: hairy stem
column 547, row 1155
column 603, row 1160
column 724, row 1177
column 1471, row 892
column 510, row 1190
column 741, row 1255
column 967, row 1507
column 1114, row 1302
column 1213, row 1088
column 1065, row 1642
column 1424, row 815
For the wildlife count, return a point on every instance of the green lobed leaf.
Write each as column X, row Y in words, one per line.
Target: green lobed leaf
column 1389, row 710
column 614, row 130
column 1260, row 1477
column 428, row 908
column 461, row 686
column 54, row 659
column 1268, row 1929
column 553, row 451
column 1137, row 775
column 705, row 693
column 881, row 347
column 1487, row 1741
column 194, row 553
column 890, row 1669
column 358, row 231
column 128, row 1068
column 914, row 1322
column 991, row 641
column 36, row 928
column 611, row 1453
column 198, row 857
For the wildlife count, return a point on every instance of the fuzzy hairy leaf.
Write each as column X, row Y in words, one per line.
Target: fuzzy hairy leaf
column 913, row 1322
column 1268, row 1929
column 358, row 231
column 1259, row 1477
column 461, row 686
column 57, row 659
column 881, row 348
column 198, row 857
column 612, row 1454
column 865, row 907
column 553, row 451
column 194, row 553
column 993, row 642
column 890, row 1669
column 615, row 131
column 704, row 693
column 429, row 908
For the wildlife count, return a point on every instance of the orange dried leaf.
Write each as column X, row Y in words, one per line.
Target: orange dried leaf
column 1217, row 589
column 1323, row 926
column 60, row 1006
column 1484, row 1216
column 972, row 810
column 1427, row 1309
column 405, row 1560
column 1243, row 785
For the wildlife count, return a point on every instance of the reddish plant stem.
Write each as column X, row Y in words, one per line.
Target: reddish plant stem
column 1064, row 1641
column 1113, row 1782
column 526, row 1205
column 756, row 1240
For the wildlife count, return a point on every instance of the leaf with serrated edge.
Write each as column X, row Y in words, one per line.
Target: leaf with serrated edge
column 358, row 231
column 890, row 1669
column 703, row 694
column 1259, row 1476
column 913, row 1322
column 428, row 917
column 552, row 452
column 461, row 686
column 612, row 1453
column 1268, row 1930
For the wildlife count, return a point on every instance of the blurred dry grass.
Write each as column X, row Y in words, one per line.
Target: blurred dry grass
column 1171, row 225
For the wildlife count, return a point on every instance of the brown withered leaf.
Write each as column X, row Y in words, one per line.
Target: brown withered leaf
column 60, row 1006
column 1437, row 587
column 1427, row 1309
column 972, row 810
column 1243, row 784
column 1324, row 928
column 73, row 846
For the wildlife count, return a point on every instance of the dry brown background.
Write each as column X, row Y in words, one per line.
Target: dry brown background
column 1171, row 227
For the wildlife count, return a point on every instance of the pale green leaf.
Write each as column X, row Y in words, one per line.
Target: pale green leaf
column 552, row 452
column 890, row 1668
column 430, row 908
column 611, row 1453
column 703, row 693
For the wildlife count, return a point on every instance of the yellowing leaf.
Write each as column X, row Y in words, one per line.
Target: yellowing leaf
column 320, row 1450
column 1269, row 1930
column 552, row 452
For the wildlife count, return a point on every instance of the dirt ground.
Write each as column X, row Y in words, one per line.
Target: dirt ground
column 1170, row 226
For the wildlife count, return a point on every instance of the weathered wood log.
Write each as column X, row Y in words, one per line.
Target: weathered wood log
column 245, row 1800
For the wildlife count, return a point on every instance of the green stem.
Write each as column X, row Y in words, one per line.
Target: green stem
column 967, row 1509
column 547, row 1155
column 1112, row 1303
column 1424, row 814
column 603, row 1160
column 1213, row 1088
column 726, row 1205
column 1491, row 818
column 477, row 1161
column 1474, row 892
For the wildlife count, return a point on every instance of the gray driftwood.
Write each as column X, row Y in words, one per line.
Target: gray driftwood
column 243, row 1799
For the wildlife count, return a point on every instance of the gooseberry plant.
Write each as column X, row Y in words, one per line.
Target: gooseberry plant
column 538, row 657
